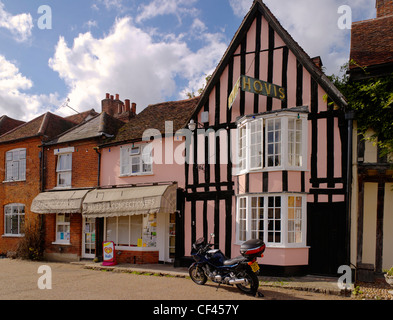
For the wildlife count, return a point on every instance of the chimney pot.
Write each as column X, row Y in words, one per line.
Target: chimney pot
column 133, row 108
column 128, row 107
column 117, row 96
column 107, row 96
column 111, row 97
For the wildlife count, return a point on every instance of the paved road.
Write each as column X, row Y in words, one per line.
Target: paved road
column 19, row 280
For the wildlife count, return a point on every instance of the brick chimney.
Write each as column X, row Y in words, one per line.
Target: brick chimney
column 116, row 108
column 384, row 8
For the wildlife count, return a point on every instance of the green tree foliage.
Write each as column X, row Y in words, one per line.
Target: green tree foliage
column 372, row 101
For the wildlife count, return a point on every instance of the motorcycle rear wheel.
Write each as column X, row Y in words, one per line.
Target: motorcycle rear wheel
column 253, row 282
column 197, row 275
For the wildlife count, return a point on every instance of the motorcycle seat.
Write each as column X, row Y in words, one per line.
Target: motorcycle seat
column 233, row 261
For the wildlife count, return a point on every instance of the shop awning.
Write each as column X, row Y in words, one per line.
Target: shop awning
column 130, row 201
column 59, row 202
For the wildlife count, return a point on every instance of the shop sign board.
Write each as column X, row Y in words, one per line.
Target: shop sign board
column 256, row 86
column 109, row 253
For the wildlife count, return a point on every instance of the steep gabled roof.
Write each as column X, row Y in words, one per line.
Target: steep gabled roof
column 154, row 117
column 47, row 125
column 7, row 124
column 301, row 55
column 100, row 125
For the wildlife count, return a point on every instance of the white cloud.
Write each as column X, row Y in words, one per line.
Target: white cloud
column 128, row 61
column 164, row 7
column 313, row 24
column 16, row 103
column 19, row 25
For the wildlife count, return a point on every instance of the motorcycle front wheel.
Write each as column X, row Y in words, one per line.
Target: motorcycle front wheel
column 197, row 275
column 252, row 279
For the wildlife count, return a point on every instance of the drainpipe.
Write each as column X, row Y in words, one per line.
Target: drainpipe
column 99, row 221
column 349, row 116
column 99, row 165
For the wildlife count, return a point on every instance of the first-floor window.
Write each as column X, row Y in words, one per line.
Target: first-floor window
column 14, row 219
column 64, row 170
column 63, row 228
column 278, row 220
column 136, row 160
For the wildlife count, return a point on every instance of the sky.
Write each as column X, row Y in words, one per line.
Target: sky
column 55, row 53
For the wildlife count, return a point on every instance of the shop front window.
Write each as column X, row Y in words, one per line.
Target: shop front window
column 132, row 231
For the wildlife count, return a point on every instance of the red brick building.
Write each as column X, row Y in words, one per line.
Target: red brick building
column 71, row 169
column 21, row 174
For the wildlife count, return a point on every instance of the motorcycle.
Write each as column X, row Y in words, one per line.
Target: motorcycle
column 240, row 271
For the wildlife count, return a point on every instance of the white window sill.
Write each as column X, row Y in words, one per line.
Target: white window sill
column 136, row 174
column 62, row 243
column 8, row 181
column 12, row 235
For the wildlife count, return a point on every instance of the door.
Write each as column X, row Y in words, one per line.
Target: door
column 89, row 238
column 326, row 233
column 172, row 236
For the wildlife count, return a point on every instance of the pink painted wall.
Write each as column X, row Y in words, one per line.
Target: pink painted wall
column 110, row 167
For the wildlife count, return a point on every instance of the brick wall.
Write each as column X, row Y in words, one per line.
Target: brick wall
column 384, row 8
column 75, row 246
column 22, row 192
column 137, row 257
column 84, row 164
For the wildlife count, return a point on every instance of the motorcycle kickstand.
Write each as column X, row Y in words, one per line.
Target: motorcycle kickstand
column 218, row 287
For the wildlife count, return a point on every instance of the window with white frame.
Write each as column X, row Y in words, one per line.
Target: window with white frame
column 277, row 219
column 63, row 233
column 64, row 169
column 14, row 219
column 124, row 230
column 273, row 142
column 136, row 160
column 15, row 165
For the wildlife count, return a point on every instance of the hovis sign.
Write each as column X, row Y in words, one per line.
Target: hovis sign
column 252, row 85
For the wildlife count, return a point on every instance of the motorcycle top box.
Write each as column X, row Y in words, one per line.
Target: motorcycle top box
column 252, row 248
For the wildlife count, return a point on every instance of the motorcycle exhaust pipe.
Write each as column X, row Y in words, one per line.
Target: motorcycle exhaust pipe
column 238, row 281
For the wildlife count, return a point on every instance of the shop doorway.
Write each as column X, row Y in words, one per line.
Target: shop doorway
column 172, row 237
column 89, row 238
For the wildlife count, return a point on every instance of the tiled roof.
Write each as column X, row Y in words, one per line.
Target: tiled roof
column 7, row 124
column 47, row 125
column 372, row 42
column 83, row 116
column 98, row 126
column 154, row 117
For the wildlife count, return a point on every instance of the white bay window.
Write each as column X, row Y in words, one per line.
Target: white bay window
column 273, row 141
column 277, row 219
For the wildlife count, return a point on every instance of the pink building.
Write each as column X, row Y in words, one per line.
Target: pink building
column 263, row 156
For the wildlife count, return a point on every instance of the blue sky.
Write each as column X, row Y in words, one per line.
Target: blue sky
column 147, row 51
